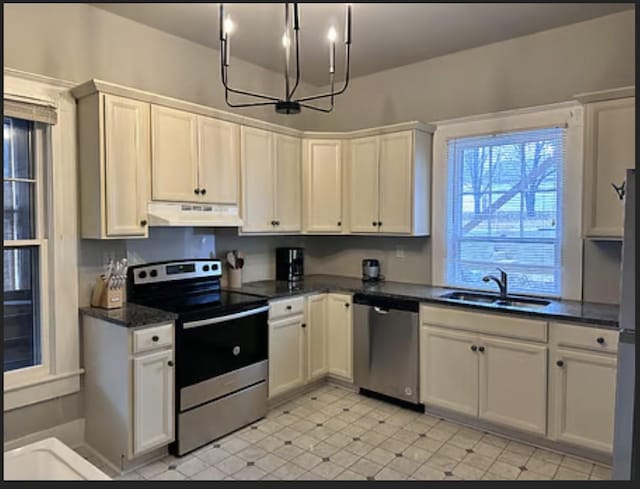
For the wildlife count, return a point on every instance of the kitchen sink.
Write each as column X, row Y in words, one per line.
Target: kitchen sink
column 494, row 300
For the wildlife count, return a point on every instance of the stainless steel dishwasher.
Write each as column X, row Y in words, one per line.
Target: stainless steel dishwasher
column 386, row 346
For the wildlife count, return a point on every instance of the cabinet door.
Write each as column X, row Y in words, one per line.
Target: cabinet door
column 363, row 185
column 153, row 405
column 340, row 335
column 609, row 151
column 174, row 155
column 127, row 161
column 449, row 370
column 316, row 321
column 256, row 156
column 513, row 384
column 582, row 398
column 323, row 186
column 288, row 186
column 286, row 355
column 218, row 161
column 396, row 182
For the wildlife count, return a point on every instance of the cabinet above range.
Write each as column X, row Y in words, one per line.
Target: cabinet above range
column 148, row 160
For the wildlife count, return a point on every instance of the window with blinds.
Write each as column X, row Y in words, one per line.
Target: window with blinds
column 504, row 210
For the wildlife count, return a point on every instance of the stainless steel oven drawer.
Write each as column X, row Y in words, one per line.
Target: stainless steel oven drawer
column 203, row 424
column 219, row 386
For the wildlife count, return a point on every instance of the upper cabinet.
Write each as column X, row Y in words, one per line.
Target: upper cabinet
column 389, row 183
column 609, row 150
column 271, row 182
column 322, row 186
column 114, row 166
column 194, row 158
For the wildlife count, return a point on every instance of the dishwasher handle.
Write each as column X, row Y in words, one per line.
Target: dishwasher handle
column 380, row 310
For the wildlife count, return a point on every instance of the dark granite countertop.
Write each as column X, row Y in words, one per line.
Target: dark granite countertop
column 605, row 315
column 130, row 315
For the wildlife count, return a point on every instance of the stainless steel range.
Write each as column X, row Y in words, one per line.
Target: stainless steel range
column 221, row 347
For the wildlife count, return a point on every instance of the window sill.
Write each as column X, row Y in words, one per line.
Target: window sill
column 42, row 389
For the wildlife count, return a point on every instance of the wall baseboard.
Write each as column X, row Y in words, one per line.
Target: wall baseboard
column 71, row 434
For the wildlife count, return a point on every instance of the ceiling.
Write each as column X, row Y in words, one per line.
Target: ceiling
column 385, row 35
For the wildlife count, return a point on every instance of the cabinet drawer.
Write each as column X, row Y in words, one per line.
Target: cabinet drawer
column 495, row 324
column 286, row 307
column 587, row 337
column 152, row 338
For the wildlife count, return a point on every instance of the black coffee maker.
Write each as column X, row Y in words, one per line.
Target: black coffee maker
column 289, row 264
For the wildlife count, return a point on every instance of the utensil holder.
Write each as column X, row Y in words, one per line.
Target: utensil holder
column 105, row 297
column 235, row 278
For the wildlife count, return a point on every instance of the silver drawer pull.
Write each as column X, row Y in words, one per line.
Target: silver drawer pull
column 379, row 310
column 222, row 319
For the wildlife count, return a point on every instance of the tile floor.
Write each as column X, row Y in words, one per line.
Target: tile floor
column 334, row 433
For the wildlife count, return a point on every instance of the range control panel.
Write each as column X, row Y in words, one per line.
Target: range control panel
column 178, row 270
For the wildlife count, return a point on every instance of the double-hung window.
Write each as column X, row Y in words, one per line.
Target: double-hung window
column 25, row 320
column 504, row 209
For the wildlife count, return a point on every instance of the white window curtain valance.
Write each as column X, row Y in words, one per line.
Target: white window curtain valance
column 31, row 109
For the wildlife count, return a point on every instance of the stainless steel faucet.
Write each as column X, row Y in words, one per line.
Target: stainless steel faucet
column 502, row 282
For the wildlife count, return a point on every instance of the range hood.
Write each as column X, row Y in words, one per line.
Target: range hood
column 169, row 214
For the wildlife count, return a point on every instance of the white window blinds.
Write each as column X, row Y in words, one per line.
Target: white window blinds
column 29, row 109
column 504, row 210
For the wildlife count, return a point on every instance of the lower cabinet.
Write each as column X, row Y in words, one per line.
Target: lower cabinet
column 287, row 369
column 582, row 398
column 340, row 335
column 499, row 380
column 152, row 400
column 317, row 338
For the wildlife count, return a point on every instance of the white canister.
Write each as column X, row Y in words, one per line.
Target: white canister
column 235, row 278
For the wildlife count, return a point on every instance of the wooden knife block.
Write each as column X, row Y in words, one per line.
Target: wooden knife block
column 105, row 297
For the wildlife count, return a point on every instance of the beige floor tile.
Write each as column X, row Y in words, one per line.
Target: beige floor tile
column 310, row 476
column 388, row 474
column 394, row 446
column 542, row 467
column 324, row 449
column 428, row 473
column 252, row 436
column 490, row 476
column 567, row 474
column 287, row 434
column 152, row 469
column 337, row 425
column 286, row 419
column 339, row 440
column 269, row 477
column 350, row 429
column 320, row 433
column 547, row 455
column 288, row 472
column 442, row 462
column 468, row 472
column 373, row 438
column 191, row 466
column 270, row 426
column 131, row 476
column 270, row 443
column 417, row 454
column 169, row 475
column 307, row 460
column 439, row 434
column 405, row 436
column 448, row 426
column 528, row 475
column 504, row 470
column 404, row 465
column 430, row 444
column 349, row 475
column 209, row 474
column 495, row 440
column 270, row 462
column 344, row 458
column 601, row 472
column 452, row 451
column 359, row 448
column 366, row 467
column 386, row 429
column 328, row 470
column 513, row 458
column 302, row 425
column 236, row 444
column 231, row 465
column 520, row 448
column 577, row 464
column 487, row 449
column 252, row 453
column 251, row 473
column 463, row 441
column 478, row 461
column 288, row 451
column 306, row 442
column 381, row 456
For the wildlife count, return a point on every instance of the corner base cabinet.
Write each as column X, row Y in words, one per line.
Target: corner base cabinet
column 129, row 389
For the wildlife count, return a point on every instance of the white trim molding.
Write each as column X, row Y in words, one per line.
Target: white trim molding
column 566, row 114
column 60, row 374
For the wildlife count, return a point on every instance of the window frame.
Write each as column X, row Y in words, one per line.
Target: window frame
column 568, row 114
column 41, row 163
column 60, row 371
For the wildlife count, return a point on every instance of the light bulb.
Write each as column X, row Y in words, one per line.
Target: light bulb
column 229, row 26
column 332, row 34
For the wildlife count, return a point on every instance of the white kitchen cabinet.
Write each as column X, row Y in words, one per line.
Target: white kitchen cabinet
column 513, row 384
column 114, row 159
column 129, row 386
column 322, row 186
column 287, row 369
column 218, row 161
column 317, row 338
column 153, row 403
column 449, row 369
column 174, row 155
column 271, row 182
column 389, row 183
column 340, row 336
column 582, row 383
column 609, row 150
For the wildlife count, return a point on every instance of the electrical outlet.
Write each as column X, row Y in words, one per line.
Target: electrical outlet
column 399, row 251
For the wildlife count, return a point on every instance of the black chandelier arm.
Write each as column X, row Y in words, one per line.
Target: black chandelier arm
column 295, row 86
column 226, row 86
column 332, row 93
column 319, row 109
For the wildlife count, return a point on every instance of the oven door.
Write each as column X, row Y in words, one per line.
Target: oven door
column 212, row 347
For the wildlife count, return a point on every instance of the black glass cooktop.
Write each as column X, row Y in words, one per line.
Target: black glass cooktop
column 206, row 304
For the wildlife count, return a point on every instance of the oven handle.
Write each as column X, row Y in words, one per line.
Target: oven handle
column 221, row 319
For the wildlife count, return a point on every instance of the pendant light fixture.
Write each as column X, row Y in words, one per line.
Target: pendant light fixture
column 288, row 103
